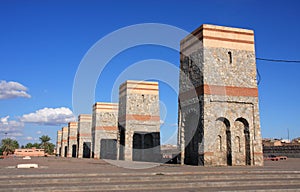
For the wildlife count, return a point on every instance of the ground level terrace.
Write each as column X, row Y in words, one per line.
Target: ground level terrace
column 71, row 174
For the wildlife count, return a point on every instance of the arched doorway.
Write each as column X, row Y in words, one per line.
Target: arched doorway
column 247, row 140
column 66, row 151
column 73, row 150
column 192, row 138
column 137, row 147
column 228, row 139
column 86, row 150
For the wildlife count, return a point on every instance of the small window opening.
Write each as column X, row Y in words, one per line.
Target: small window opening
column 230, row 57
column 220, row 143
column 143, row 96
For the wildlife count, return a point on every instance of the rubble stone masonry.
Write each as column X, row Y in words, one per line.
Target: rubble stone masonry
column 218, row 88
column 64, row 142
column 84, row 136
column 105, row 130
column 72, row 139
column 139, row 121
column 58, row 143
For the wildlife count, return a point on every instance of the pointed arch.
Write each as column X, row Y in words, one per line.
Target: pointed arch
column 247, row 139
column 228, row 139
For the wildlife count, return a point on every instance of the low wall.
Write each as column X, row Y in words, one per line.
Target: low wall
column 291, row 151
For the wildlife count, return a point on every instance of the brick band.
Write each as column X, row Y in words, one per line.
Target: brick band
column 140, row 118
column 107, row 128
column 219, row 90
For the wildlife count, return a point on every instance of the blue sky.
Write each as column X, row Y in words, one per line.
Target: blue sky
column 43, row 42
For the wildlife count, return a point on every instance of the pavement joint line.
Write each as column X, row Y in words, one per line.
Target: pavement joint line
column 161, row 186
column 146, row 173
column 145, row 180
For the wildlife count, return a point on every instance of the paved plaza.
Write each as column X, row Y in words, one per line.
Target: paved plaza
column 70, row 174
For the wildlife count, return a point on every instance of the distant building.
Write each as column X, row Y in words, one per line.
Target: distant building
column 296, row 140
column 33, row 152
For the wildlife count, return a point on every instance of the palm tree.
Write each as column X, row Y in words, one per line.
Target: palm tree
column 45, row 144
column 9, row 145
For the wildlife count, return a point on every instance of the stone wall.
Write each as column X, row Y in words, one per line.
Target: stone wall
column 291, row 151
column 72, row 139
column 84, row 136
column 105, row 130
column 218, row 88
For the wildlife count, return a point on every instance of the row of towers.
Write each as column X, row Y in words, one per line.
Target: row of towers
column 218, row 114
column 128, row 130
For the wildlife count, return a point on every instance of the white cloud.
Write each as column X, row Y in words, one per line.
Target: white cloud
column 10, row 128
column 29, row 138
column 11, row 89
column 39, row 132
column 49, row 116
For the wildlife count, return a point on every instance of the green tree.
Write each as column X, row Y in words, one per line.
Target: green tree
column 9, row 145
column 31, row 145
column 46, row 145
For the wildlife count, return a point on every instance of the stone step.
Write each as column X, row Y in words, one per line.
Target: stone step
column 198, row 185
column 148, row 178
column 125, row 174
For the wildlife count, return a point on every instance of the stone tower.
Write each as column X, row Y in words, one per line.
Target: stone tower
column 139, row 121
column 64, row 142
column 72, row 139
column 84, row 136
column 58, row 143
column 218, row 102
column 105, row 130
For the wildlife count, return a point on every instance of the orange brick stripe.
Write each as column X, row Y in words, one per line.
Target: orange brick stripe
column 230, row 31
column 72, row 138
column 85, row 118
column 107, row 128
column 219, row 90
column 64, row 140
column 107, row 108
column 140, row 118
column 137, row 88
column 227, row 39
column 200, row 30
column 138, row 83
column 84, row 135
column 230, row 90
column 106, row 104
column 201, row 37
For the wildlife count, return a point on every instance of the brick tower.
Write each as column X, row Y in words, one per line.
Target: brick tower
column 58, row 143
column 64, row 142
column 218, row 102
column 139, row 121
column 72, row 139
column 84, row 136
column 105, row 130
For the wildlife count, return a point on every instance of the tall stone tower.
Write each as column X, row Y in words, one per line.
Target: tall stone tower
column 58, row 143
column 64, row 142
column 139, row 121
column 218, row 102
column 72, row 139
column 84, row 136
column 105, row 130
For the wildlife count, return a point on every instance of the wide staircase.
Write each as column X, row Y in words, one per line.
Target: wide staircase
column 227, row 180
